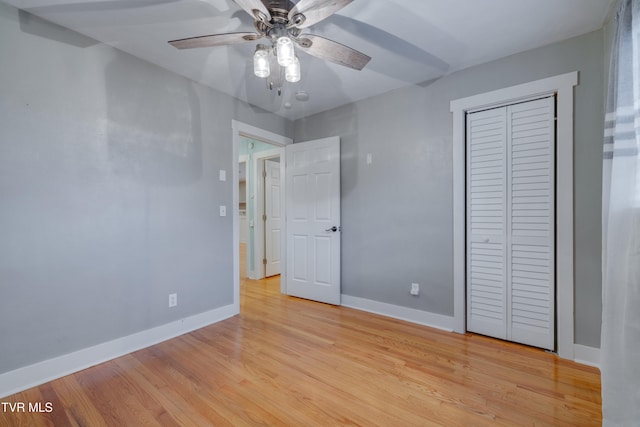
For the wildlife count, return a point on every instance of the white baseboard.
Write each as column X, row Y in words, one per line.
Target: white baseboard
column 39, row 373
column 582, row 354
column 586, row 355
column 412, row 315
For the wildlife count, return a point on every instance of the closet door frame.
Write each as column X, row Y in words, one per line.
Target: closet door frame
column 562, row 86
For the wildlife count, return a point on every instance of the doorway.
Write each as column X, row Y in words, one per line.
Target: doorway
column 309, row 243
column 251, row 147
column 261, row 163
column 256, row 206
column 260, row 219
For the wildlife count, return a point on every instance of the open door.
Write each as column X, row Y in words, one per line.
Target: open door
column 272, row 217
column 313, row 220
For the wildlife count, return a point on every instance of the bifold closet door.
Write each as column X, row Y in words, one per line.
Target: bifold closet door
column 487, row 222
column 510, row 222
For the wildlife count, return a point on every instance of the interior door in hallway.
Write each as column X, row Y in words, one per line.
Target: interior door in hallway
column 313, row 220
column 273, row 217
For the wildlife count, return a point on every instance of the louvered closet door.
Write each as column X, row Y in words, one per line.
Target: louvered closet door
column 510, row 223
column 531, row 172
column 486, row 222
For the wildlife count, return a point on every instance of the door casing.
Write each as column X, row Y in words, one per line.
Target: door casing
column 562, row 85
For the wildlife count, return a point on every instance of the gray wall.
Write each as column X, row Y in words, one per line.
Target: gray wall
column 109, row 192
column 396, row 212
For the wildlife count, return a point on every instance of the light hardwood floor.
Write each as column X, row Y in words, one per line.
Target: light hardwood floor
column 286, row 361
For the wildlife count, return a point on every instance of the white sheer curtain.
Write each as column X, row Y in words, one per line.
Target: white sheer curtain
column 620, row 348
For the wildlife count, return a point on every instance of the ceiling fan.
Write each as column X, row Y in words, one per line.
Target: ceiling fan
column 282, row 22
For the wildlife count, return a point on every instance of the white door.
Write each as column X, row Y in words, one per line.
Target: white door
column 273, row 217
column 511, row 222
column 313, row 220
column 486, row 222
column 531, row 209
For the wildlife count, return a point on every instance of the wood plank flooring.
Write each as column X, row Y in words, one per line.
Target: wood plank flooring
column 287, row 361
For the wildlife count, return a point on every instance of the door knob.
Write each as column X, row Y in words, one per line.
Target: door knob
column 333, row 229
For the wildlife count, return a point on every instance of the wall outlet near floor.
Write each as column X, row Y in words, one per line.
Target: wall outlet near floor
column 415, row 289
column 173, row 300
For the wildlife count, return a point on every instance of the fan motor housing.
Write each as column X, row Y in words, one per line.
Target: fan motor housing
column 272, row 5
column 279, row 25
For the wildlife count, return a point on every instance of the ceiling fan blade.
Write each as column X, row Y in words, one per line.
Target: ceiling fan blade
column 333, row 51
column 250, row 5
column 315, row 10
column 214, row 40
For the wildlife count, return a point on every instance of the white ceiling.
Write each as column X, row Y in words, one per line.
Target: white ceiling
column 410, row 41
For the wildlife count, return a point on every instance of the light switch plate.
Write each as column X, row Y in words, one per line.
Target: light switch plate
column 223, row 175
column 415, row 289
column 223, row 210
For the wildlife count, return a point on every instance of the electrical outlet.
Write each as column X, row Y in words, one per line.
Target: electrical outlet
column 173, row 300
column 415, row 289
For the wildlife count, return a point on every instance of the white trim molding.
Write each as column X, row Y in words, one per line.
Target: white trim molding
column 586, row 355
column 425, row 318
column 39, row 373
column 562, row 86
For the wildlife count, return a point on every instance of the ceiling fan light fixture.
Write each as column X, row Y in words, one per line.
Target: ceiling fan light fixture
column 292, row 72
column 261, row 66
column 281, row 22
column 285, row 52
